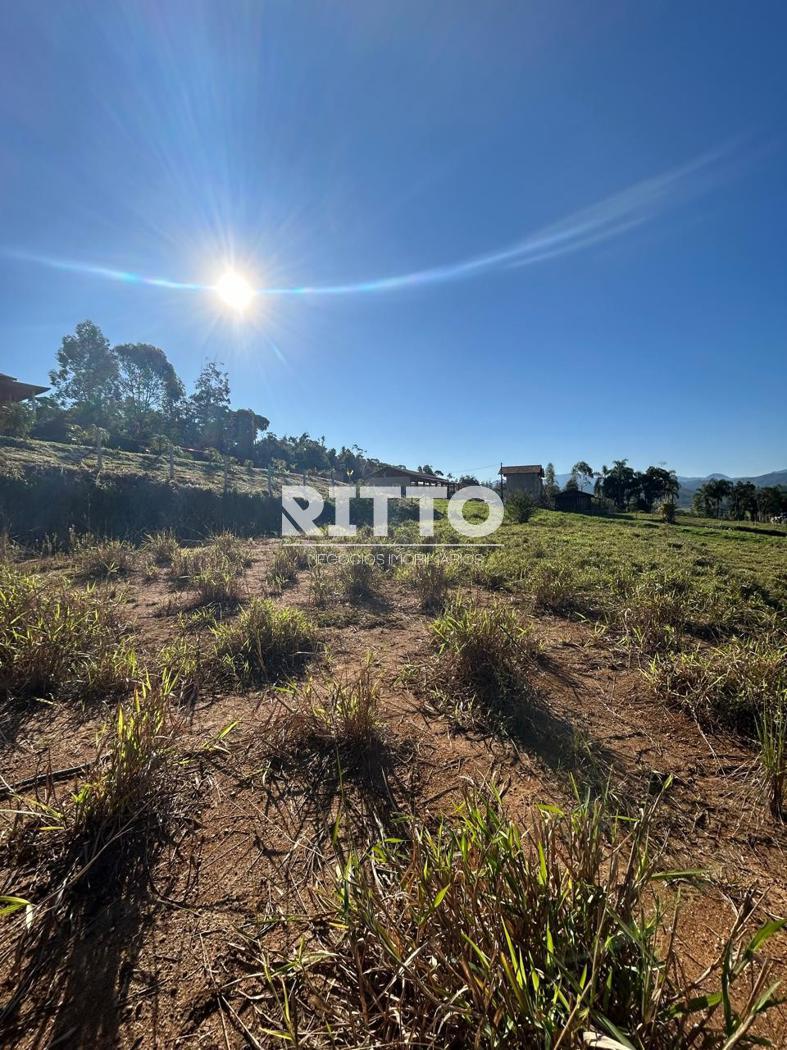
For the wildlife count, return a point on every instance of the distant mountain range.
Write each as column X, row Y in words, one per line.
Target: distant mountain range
column 688, row 486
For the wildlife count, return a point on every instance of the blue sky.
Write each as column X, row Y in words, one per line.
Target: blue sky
column 592, row 199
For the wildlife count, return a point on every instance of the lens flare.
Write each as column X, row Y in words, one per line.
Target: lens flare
column 235, row 291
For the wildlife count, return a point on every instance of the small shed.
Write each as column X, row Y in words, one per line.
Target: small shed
column 387, row 476
column 12, row 390
column 574, row 501
column 526, row 478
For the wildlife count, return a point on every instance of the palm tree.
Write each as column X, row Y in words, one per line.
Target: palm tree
column 598, row 487
column 671, row 487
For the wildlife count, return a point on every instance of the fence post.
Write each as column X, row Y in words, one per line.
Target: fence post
column 226, row 474
column 99, row 451
column 270, row 481
column 171, row 462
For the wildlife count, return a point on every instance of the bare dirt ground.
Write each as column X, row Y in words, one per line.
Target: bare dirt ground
column 163, row 960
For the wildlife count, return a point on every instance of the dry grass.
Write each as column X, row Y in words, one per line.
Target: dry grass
column 288, row 559
column 321, row 582
column 215, row 571
column 263, row 643
column 431, row 578
column 103, row 559
column 131, row 768
column 338, row 721
column 359, row 578
column 473, row 934
column 161, row 547
column 60, row 643
column 730, row 684
column 485, row 662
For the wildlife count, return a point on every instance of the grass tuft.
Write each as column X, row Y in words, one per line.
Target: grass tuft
column 431, row 578
column 103, row 559
column 60, row 643
column 131, row 766
column 730, row 684
column 486, row 659
column 263, row 643
column 288, row 559
column 473, row 934
column 161, row 547
column 359, row 578
column 214, row 570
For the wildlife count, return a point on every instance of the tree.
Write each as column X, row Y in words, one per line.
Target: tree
column 743, row 500
column 149, row 388
column 467, row 479
column 244, row 427
column 582, row 474
column 16, row 418
column 619, row 483
column 657, row 485
column 701, row 503
column 771, row 500
column 551, row 487
column 210, row 405
column 86, row 378
column 717, row 491
column 671, row 487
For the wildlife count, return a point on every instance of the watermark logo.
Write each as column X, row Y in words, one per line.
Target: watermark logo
column 302, row 505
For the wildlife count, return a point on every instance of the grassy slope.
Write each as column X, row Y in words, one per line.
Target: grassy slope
column 22, row 455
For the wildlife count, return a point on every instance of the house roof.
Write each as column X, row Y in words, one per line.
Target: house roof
column 533, row 468
column 12, row 390
column 385, row 470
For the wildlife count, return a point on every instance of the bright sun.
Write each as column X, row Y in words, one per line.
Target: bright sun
column 235, row 291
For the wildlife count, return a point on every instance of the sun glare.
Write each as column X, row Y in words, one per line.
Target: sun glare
column 235, row 291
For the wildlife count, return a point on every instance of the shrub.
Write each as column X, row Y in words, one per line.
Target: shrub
column 732, row 684
column 519, row 508
column 55, row 642
column 48, row 501
column 667, row 512
column 487, row 655
column 263, row 643
column 8, row 549
column 473, row 934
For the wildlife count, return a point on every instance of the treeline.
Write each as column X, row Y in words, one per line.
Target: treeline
column 721, row 498
column 133, row 398
column 620, row 485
